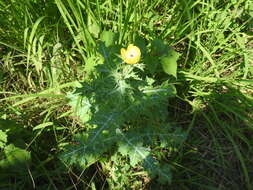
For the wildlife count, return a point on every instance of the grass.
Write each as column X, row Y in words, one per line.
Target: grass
column 45, row 47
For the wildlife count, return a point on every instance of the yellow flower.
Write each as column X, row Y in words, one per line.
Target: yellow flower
column 131, row 55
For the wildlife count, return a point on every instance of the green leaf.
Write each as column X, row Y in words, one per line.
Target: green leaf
column 155, row 169
column 251, row 9
column 80, row 106
column 93, row 27
column 90, row 65
column 136, row 152
column 17, row 159
column 158, row 47
column 151, row 63
column 108, row 37
column 3, row 139
column 89, row 146
column 43, row 125
column 16, row 133
column 140, row 42
column 169, row 63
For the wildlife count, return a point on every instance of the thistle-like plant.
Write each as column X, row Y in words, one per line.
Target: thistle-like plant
column 124, row 109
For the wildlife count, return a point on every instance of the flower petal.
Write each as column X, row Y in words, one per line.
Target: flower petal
column 123, row 53
column 131, row 55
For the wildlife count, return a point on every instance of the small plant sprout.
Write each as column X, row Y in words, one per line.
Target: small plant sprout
column 131, row 55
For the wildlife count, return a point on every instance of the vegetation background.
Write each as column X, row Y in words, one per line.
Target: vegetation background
column 47, row 46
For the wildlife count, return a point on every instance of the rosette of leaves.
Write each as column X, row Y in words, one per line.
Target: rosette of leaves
column 124, row 111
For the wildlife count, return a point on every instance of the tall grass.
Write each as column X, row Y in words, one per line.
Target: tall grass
column 45, row 47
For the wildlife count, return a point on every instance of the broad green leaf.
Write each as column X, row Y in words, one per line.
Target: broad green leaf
column 251, row 10
column 108, row 37
column 93, row 27
column 3, row 139
column 169, row 63
column 17, row 159
column 14, row 131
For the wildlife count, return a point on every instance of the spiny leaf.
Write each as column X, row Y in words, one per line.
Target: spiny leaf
column 134, row 150
column 155, row 169
column 94, row 143
column 80, row 106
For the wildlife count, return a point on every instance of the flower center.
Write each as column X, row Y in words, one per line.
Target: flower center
column 131, row 54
